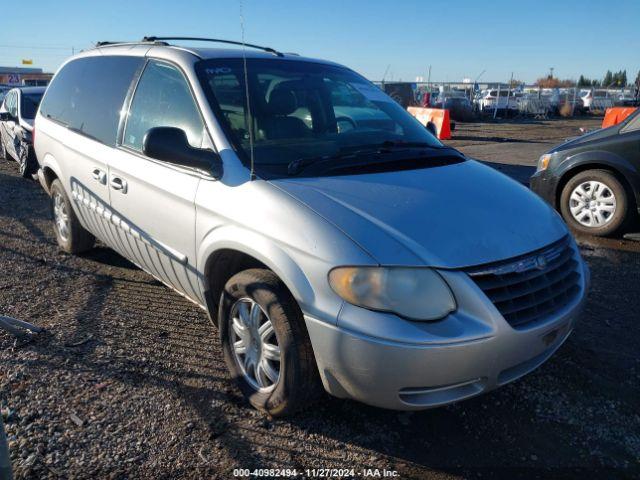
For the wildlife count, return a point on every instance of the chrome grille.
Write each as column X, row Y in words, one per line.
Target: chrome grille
column 534, row 286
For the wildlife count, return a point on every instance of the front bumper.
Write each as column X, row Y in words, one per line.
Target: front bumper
column 422, row 365
column 545, row 184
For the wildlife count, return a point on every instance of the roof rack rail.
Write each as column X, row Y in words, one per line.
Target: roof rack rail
column 110, row 43
column 217, row 40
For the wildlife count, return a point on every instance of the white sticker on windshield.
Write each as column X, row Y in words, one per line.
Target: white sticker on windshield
column 372, row 92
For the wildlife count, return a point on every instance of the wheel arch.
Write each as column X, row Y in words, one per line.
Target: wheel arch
column 50, row 172
column 615, row 165
column 223, row 258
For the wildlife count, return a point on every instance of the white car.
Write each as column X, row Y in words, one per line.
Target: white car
column 505, row 100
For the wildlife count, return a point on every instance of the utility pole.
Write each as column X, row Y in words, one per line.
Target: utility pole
column 385, row 73
column 508, row 95
column 550, row 72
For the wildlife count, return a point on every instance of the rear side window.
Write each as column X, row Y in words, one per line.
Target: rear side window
column 87, row 95
column 29, row 104
column 633, row 125
column 11, row 103
column 162, row 99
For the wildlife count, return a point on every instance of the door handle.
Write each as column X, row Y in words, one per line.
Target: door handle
column 99, row 175
column 118, row 183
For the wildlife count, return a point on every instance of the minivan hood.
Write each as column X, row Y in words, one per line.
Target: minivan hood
column 587, row 137
column 451, row 216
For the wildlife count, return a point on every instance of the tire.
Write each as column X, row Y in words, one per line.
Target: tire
column 614, row 221
column 74, row 238
column 298, row 382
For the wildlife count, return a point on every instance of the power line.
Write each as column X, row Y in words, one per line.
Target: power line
column 36, row 47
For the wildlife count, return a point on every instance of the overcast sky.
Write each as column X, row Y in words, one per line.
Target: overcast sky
column 457, row 38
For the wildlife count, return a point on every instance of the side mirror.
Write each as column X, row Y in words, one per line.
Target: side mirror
column 5, row 116
column 171, row 145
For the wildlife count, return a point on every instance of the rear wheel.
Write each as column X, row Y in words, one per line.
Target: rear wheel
column 70, row 234
column 265, row 343
column 595, row 202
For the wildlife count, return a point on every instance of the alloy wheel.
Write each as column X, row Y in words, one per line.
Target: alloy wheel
column 254, row 344
column 61, row 216
column 592, row 204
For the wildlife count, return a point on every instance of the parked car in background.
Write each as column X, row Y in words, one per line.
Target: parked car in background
column 594, row 179
column 459, row 106
column 625, row 98
column 488, row 100
column 372, row 260
column 17, row 114
column 504, row 100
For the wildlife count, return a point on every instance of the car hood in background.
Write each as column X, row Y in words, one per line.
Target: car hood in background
column 586, row 138
column 452, row 216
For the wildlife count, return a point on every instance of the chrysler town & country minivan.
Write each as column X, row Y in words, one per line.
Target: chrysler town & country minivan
column 331, row 238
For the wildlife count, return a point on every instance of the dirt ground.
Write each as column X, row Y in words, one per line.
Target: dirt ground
column 128, row 381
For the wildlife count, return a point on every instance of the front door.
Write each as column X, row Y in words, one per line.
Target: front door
column 9, row 126
column 155, row 201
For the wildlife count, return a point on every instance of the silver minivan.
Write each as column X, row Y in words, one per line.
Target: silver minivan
column 330, row 237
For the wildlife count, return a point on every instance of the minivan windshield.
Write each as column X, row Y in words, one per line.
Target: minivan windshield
column 302, row 110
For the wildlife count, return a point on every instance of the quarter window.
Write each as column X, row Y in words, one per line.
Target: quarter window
column 633, row 125
column 162, row 99
column 12, row 104
column 87, row 95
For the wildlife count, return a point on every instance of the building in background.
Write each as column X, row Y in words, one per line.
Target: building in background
column 15, row 76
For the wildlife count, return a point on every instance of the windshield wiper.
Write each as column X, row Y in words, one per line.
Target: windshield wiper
column 296, row 166
column 388, row 146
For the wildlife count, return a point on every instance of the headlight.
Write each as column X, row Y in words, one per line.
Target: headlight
column 414, row 293
column 543, row 162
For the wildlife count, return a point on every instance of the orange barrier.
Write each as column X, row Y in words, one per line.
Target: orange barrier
column 615, row 115
column 439, row 117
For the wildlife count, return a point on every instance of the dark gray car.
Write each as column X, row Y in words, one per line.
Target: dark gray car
column 594, row 180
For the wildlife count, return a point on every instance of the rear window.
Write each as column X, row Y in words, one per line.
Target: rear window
column 88, row 94
column 29, row 104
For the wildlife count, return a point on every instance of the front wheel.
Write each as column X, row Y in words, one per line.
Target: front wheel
column 265, row 343
column 26, row 161
column 595, row 202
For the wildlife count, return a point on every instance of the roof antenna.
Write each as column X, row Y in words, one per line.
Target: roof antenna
column 252, row 175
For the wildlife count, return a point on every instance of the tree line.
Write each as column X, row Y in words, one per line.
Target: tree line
column 611, row 80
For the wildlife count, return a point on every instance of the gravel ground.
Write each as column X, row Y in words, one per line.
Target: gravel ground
column 128, row 381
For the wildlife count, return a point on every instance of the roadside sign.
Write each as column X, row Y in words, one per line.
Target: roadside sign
column 27, row 61
column 14, row 79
